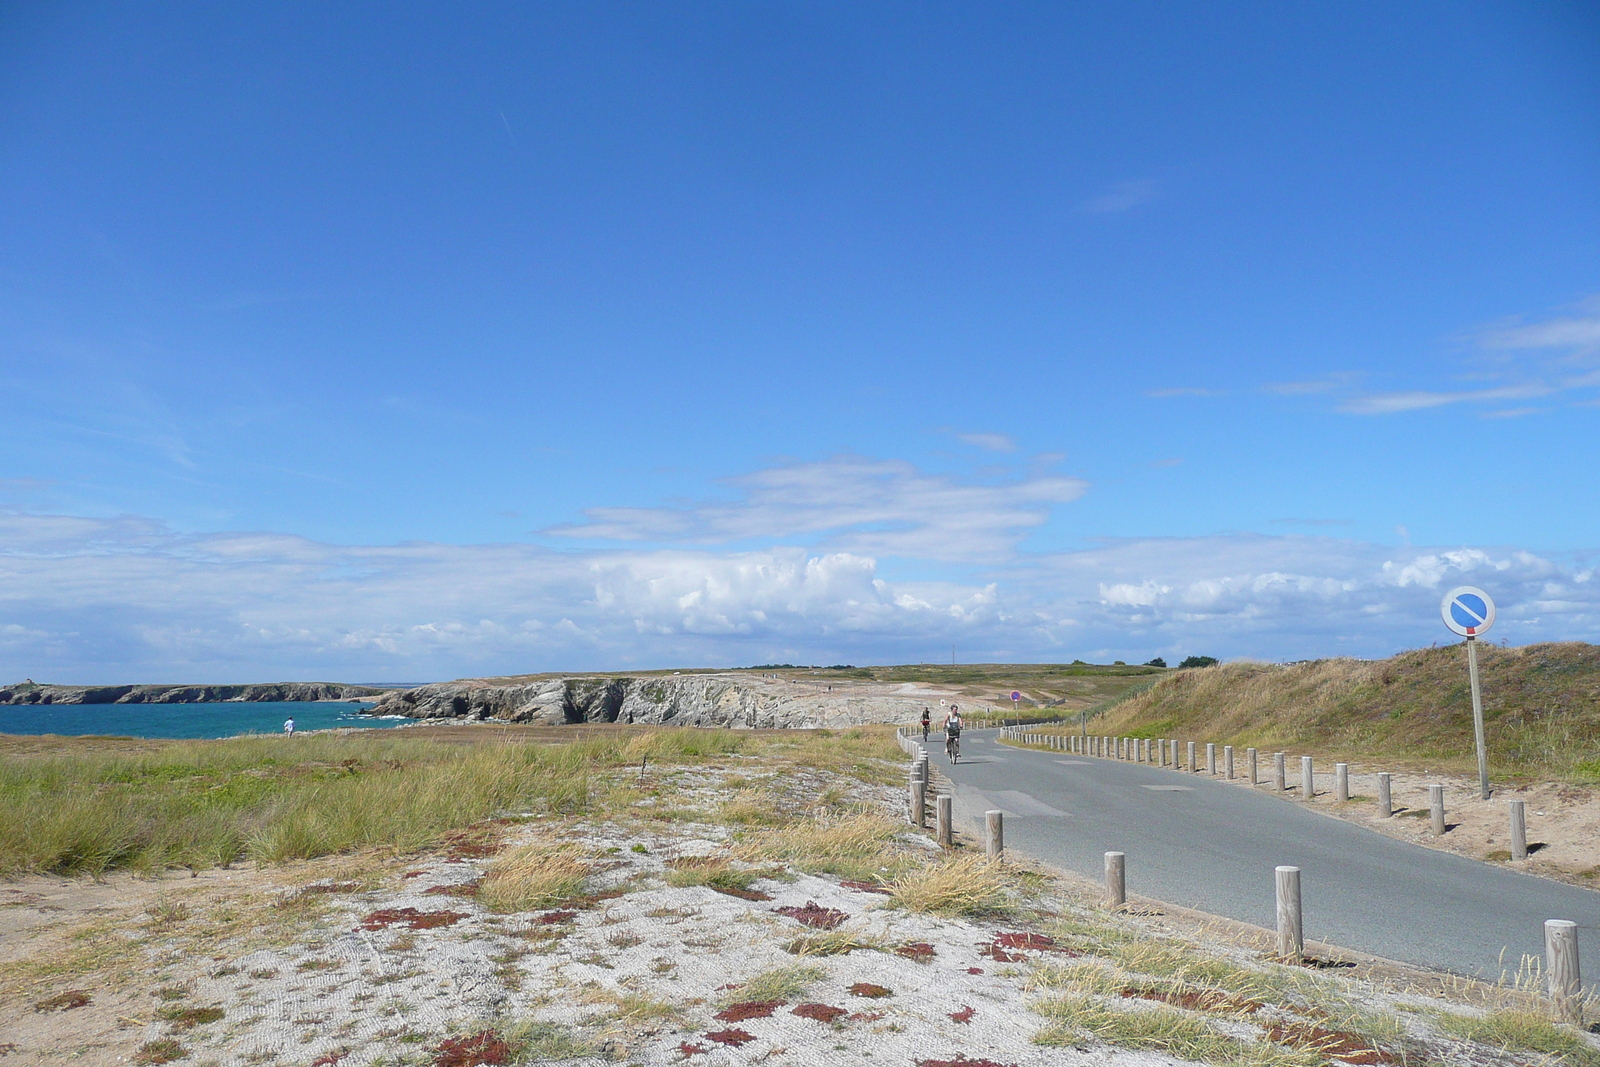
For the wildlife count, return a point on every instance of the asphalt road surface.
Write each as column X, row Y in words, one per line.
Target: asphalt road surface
column 1205, row 844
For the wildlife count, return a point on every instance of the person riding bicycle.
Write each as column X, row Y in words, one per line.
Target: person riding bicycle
column 952, row 732
column 926, row 719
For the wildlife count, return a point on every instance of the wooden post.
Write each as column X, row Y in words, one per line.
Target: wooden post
column 1227, row 762
column 942, row 816
column 1250, row 757
column 1278, row 781
column 1147, row 750
column 1561, row 965
column 1385, row 803
column 1519, row 830
column 919, row 805
column 1308, row 783
column 1436, row 808
column 1341, row 779
column 1291, row 932
column 1211, row 759
column 994, row 833
column 1191, row 757
column 1116, row 881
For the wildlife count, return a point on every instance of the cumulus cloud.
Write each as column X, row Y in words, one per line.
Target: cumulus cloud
column 105, row 600
column 852, row 504
column 993, row 442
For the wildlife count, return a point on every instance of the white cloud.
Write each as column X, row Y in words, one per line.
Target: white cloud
column 1122, row 196
column 852, row 504
column 1391, row 403
column 129, row 600
column 1529, row 360
column 993, row 442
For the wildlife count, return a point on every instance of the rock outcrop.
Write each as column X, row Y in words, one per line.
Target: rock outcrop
column 34, row 693
column 735, row 700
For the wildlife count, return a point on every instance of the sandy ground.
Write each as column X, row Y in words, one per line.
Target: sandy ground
column 320, row 964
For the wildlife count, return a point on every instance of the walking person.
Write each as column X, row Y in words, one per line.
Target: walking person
column 927, row 717
column 288, row 728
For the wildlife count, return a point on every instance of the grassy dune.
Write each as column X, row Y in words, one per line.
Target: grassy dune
column 82, row 806
column 1541, row 706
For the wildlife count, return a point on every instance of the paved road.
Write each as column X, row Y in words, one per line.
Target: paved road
column 1195, row 841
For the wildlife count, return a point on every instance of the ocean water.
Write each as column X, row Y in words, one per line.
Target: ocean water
column 186, row 720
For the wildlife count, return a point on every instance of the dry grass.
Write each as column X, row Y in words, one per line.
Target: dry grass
column 780, row 983
column 532, row 876
column 857, row 846
column 962, row 885
column 1539, row 704
column 1158, row 1029
column 1523, row 1031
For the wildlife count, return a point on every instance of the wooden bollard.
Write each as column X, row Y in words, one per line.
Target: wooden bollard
column 942, row 821
column 1227, row 762
column 1561, row 965
column 919, row 805
column 1211, row 759
column 1291, row 931
column 994, row 835
column 1341, row 782
column 1191, row 757
column 1519, row 830
column 1116, row 880
column 1278, row 781
column 1436, row 808
column 1250, row 758
column 1308, row 783
column 1385, row 798
column 1145, row 748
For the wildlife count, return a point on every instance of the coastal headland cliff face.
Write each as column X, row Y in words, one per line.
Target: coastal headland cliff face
column 735, row 700
column 34, row 693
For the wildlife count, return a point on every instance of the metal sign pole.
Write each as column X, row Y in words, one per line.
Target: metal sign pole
column 1477, row 717
column 1469, row 612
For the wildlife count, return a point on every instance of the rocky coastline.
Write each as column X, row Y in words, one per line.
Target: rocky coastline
column 30, row 692
column 739, row 701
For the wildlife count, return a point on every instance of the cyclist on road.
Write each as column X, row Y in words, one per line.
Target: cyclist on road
column 952, row 734
column 926, row 718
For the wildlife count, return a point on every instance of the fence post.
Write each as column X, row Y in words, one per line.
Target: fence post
column 1191, row 757
column 1308, row 782
column 995, row 834
column 1385, row 803
column 1211, row 759
column 1278, row 781
column 1561, row 964
column 1116, row 881
column 1227, row 761
column 919, row 805
column 1341, row 774
column 1291, row 932
column 942, row 815
column 1519, row 830
column 1250, row 757
column 1436, row 807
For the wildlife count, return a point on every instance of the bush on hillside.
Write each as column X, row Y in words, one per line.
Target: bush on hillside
column 1157, row 662
column 1197, row 661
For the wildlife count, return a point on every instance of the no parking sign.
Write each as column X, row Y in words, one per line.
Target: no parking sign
column 1467, row 610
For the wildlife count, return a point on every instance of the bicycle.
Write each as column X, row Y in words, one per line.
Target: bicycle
column 952, row 747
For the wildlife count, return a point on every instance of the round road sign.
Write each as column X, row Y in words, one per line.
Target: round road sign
column 1467, row 610
column 1015, row 696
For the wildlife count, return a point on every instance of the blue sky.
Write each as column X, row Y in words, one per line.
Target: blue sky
column 378, row 342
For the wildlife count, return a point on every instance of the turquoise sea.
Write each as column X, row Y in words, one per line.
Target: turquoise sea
column 186, row 720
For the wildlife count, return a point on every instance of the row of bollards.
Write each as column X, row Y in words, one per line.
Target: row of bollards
column 1562, row 969
column 1167, row 753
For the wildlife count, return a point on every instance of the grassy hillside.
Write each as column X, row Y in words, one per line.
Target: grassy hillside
column 1541, row 706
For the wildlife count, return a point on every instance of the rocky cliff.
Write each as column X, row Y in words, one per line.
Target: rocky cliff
column 34, row 693
column 737, row 700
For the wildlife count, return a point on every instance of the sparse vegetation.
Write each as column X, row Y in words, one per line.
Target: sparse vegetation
column 961, row 885
column 1523, row 1031
column 1541, row 704
column 536, row 875
column 779, row 983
